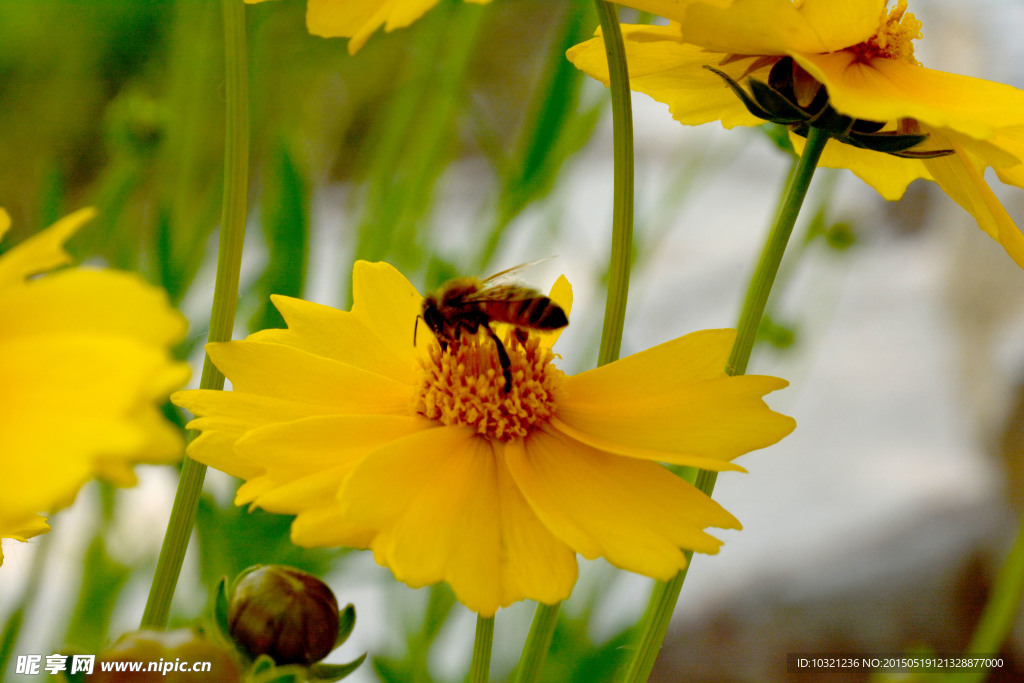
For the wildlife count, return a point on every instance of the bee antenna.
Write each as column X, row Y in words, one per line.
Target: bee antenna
column 415, row 326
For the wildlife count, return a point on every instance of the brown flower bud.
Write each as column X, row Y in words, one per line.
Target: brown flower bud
column 285, row 613
column 166, row 656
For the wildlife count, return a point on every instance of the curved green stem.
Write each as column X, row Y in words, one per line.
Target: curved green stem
column 539, row 640
column 225, row 298
column 480, row 669
column 622, row 190
column 1000, row 611
column 663, row 599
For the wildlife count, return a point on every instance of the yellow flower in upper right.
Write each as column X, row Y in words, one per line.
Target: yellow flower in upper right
column 844, row 65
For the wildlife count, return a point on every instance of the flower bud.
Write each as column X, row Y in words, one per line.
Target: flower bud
column 285, row 613
column 167, row 657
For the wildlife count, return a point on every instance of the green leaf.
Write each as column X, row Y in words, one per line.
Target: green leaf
column 286, row 231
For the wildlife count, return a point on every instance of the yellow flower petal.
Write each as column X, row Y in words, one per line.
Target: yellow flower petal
column 5, row 222
column 294, row 375
column 673, row 73
column 769, row 27
column 338, row 335
column 636, row 514
column 320, row 448
column 450, row 512
column 23, row 529
column 889, row 89
column 1012, row 141
column 83, row 365
column 100, row 301
column 359, row 19
column 387, row 304
column 327, row 527
column 225, row 416
column 674, row 403
column 41, row 252
column 101, row 392
column 963, row 181
column 300, row 492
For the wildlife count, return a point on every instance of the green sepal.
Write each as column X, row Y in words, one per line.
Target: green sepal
column 771, row 100
column 346, row 622
column 220, row 610
column 261, row 665
column 753, row 107
column 771, row 104
column 832, row 122
column 264, row 670
column 889, row 141
column 334, row 672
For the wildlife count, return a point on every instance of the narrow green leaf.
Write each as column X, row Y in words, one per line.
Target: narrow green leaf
column 286, row 230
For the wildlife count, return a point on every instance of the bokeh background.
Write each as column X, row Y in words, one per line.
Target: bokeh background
column 467, row 144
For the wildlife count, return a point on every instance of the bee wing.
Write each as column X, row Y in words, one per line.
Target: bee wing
column 504, row 274
column 502, row 291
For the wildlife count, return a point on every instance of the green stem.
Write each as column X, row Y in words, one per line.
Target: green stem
column 537, row 643
column 764, row 275
column 1000, row 612
column 539, row 640
column 664, row 597
column 622, row 189
column 480, row 668
column 225, row 298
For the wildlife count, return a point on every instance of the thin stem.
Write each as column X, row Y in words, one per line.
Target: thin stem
column 664, row 597
column 1000, row 611
column 622, row 189
column 539, row 639
column 771, row 256
column 537, row 643
column 225, row 298
column 480, row 669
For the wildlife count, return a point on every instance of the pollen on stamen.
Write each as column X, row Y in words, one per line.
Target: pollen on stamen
column 894, row 39
column 465, row 385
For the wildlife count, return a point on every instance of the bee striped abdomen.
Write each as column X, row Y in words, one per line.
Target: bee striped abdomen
column 537, row 312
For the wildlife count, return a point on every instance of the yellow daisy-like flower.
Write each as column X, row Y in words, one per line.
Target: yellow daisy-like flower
column 864, row 58
column 83, row 364
column 422, row 456
column 359, row 19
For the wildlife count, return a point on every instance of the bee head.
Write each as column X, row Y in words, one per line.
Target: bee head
column 432, row 314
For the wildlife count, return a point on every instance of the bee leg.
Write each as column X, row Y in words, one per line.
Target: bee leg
column 521, row 335
column 506, row 364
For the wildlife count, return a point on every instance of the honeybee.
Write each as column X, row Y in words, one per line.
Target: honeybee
column 465, row 304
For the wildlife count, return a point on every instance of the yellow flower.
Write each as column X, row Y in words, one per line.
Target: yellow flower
column 864, row 57
column 83, row 363
column 358, row 19
column 421, row 455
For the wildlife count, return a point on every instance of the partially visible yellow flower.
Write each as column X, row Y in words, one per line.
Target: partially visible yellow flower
column 864, row 57
column 423, row 457
column 84, row 364
column 359, row 19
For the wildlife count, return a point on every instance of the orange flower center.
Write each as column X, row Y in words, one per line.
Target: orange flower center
column 895, row 38
column 466, row 385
